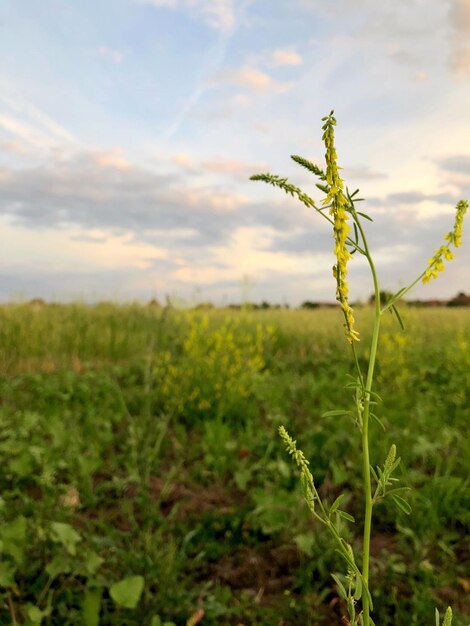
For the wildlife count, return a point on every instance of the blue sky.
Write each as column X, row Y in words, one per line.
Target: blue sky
column 129, row 128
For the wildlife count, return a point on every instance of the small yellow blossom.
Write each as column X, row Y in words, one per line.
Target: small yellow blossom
column 454, row 237
column 341, row 228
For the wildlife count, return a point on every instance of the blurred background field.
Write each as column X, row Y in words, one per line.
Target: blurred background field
column 142, row 441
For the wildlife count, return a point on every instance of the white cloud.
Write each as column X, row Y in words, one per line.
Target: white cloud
column 111, row 158
column 253, row 79
column 219, row 14
column 112, row 55
column 285, row 57
column 21, row 120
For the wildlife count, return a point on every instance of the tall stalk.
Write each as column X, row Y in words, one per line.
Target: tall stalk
column 340, row 205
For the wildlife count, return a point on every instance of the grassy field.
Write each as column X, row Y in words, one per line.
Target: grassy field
column 139, row 445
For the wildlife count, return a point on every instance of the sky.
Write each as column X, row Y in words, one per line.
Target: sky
column 129, row 130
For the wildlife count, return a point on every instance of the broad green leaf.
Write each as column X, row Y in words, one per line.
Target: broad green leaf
column 58, row 565
column 22, row 465
column 66, row 535
column 127, row 592
column 7, row 574
column 13, row 535
column 35, row 615
column 93, row 562
column 91, row 607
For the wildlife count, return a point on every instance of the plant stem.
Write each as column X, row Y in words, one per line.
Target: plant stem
column 365, row 443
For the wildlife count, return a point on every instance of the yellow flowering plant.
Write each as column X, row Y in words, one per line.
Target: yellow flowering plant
column 338, row 207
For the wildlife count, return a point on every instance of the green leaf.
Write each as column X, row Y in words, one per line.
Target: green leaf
column 378, row 420
column 367, row 217
column 58, row 565
column 398, row 316
column 336, row 504
column 35, row 615
column 93, row 562
column 13, row 536
column 91, row 607
column 22, row 465
column 341, row 590
column 127, row 592
column 335, row 413
column 438, row 619
column 345, row 516
column 7, row 574
column 402, row 504
column 66, row 535
column 358, row 590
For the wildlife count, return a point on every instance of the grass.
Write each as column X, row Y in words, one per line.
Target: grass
column 149, row 436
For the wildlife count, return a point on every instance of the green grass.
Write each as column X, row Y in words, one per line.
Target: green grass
column 153, row 435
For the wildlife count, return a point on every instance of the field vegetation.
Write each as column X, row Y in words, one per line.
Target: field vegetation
column 143, row 481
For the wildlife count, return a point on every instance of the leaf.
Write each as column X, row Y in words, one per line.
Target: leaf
column 378, row 420
column 402, row 504
column 127, row 592
column 345, row 516
column 35, row 615
column 336, row 504
column 93, row 562
column 7, row 574
column 58, row 565
column 66, row 535
column 335, row 413
column 91, row 607
column 13, row 535
column 341, row 590
column 438, row 619
column 364, row 215
column 358, row 590
column 398, row 316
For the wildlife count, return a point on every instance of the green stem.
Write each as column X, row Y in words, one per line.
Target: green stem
column 365, row 444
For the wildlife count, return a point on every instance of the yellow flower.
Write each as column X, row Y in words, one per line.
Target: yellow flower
column 341, row 229
column 435, row 263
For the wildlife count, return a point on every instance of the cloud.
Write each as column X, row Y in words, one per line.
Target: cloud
column 112, row 55
column 230, row 167
column 414, row 197
column 21, row 120
column 218, row 14
column 111, row 158
column 285, row 57
column 363, row 173
column 253, row 79
column 95, row 190
column 458, row 164
column 14, row 147
column 459, row 16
